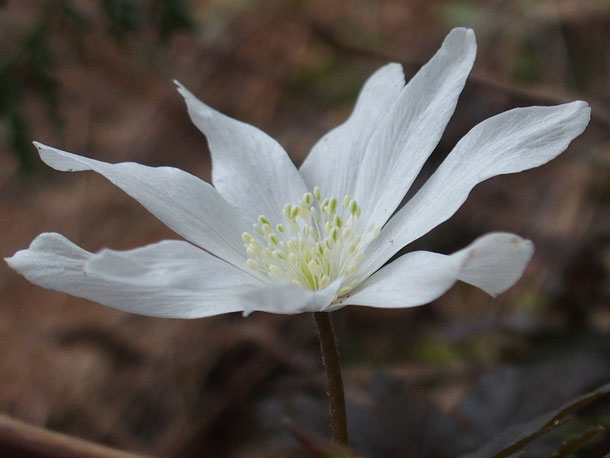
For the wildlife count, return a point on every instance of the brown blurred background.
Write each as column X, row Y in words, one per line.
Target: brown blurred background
column 95, row 78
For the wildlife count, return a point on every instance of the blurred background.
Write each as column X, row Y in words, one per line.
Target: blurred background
column 435, row 381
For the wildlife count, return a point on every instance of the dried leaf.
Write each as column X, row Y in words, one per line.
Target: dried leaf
column 518, row 436
column 578, row 441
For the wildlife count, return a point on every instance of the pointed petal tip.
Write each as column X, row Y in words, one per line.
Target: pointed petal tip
column 60, row 160
column 41, row 148
column 195, row 106
column 182, row 90
column 11, row 261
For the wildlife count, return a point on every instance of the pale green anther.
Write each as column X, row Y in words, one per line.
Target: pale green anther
column 273, row 239
column 317, row 194
column 287, row 211
column 266, row 229
column 352, row 249
column 275, row 270
column 277, row 254
column 346, row 201
column 280, row 228
column 264, row 220
column 334, row 234
column 294, row 211
column 333, row 205
column 353, row 207
column 324, row 281
column 312, row 266
column 344, row 290
column 338, row 221
column 320, row 248
column 308, row 198
column 247, row 238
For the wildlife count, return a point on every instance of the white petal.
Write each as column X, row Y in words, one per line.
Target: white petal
column 333, row 162
column 169, row 279
column 493, row 262
column 510, row 142
column 187, row 205
column 413, row 128
column 250, row 169
column 287, row 298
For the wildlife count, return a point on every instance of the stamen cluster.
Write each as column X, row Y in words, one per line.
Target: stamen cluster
column 318, row 241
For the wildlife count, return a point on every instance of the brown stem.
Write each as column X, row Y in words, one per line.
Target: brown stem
column 330, row 358
column 20, row 438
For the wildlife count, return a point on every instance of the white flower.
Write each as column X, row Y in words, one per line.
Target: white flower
column 270, row 237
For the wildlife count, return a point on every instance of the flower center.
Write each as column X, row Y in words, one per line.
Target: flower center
column 318, row 241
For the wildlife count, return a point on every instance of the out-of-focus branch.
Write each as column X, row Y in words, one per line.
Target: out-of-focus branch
column 539, row 94
column 20, row 438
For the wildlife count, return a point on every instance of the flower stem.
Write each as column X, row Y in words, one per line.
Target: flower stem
column 330, row 358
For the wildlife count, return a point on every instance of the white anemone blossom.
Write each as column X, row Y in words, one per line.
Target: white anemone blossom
column 270, row 237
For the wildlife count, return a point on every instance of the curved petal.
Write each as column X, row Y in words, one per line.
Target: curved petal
column 169, row 279
column 333, row 161
column 510, row 142
column 413, row 128
column 287, row 298
column 249, row 169
column 189, row 206
column 493, row 262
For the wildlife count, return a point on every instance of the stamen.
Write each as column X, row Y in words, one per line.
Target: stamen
column 317, row 242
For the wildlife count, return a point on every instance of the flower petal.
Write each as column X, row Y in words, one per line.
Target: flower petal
column 510, row 142
column 493, row 262
column 189, row 206
column 334, row 159
column 288, row 298
column 413, row 128
column 249, row 169
column 169, row 279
